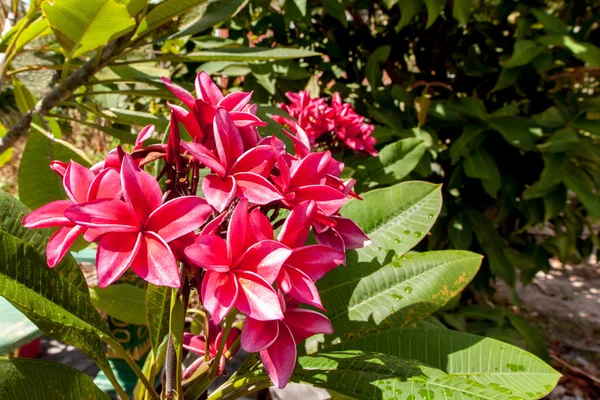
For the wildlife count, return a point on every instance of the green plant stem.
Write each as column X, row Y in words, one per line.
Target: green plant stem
column 113, row 379
column 133, row 365
column 173, row 362
column 229, row 320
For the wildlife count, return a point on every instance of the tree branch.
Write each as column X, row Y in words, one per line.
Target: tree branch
column 61, row 93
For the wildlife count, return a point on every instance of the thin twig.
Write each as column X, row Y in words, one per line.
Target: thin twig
column 575, row 369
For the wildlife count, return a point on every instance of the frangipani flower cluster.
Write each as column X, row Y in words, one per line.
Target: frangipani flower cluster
column 217, row 232
column 333, row 126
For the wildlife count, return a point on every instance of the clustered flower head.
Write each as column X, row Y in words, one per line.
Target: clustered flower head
column 219, row 231
column 334, row 126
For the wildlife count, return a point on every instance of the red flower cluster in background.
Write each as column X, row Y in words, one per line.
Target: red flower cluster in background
column 337, row 125
column 219, row 231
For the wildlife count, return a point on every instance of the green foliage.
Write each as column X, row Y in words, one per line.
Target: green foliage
column 22, row 379
column 112, row 299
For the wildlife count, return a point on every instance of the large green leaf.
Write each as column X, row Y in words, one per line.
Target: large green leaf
column 337, row 9
column 140, row 118
column 122, row 301
column 481, row 164
column 514, row 130
column 84, row 26
column 461, row 11
column 364, row 375
column 486, row 361
column 523, row 53
column 38, row 184
column 553, row 25
column 408, row 9
column 374, row 296
column 35, row 30
column 373, row 71
column 43, row 380
column 434, row 9
column 577, row 180
column 158, row 305
column 165, row 12
column 216, row 13
column 234, row 54
column 56, row 300
column 393, row 163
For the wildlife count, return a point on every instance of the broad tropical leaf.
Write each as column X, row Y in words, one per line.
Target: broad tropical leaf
column 38, row 184
column 84, row 26
column 490, row 362
column 364, row 375
column 165, row 12
column 216, row 13
column 122, row 301
column 158, row 305
column 43, row 380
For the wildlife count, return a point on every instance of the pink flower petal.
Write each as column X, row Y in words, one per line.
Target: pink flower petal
column 194, row 343
column 305, row 323
column 330, row 237
column 260, row 225
column 144, row 135
column 228, row 141
column 353, row 236
column 180, row 93
column 188, row 119
column 257, row 299
column 206, row 89
column 279, row 359
column 115, row 254
column 60, row 242
column 259, row 160
column 328, row 200
column 301, row 287
column 235, row 101
column 109, row 214
column 296, row 227
column 48, row 216
column 205, row 156
column 209, row 252
column 60, row 167
column 258, row 335
column 243, row 119
column 239, row 233
column 219, row 293
column 316, row 260
column 141, row 190
column 179, row 216
column 77, row 181
column 106, row 185
column 256, row 189
column 155, row 263
column 264, row 258
column 219, row 192
column 311, row 170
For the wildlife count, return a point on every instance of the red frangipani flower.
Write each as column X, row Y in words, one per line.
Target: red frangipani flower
column 276, row 340
column 236, row 172
column 81, row 186
column 135, row 232
column 197, row 344
column 239, row 271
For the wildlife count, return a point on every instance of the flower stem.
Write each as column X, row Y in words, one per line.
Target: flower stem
column 229, row 320
column 236, row 387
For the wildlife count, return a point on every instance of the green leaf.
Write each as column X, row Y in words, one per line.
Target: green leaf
column 373, row 68
column 296, row 7
column 393, row 163
column 481, row 165
column 524, row 52
column 460, row 232
column 122, row 301
column 216, row 13
column 5, row 156
column 469, row 141
column 35, row 30
column 134, row 7
column 507, row 78
column 486, row 361
column 55, row 299
column 561, row 140
column 577, row 180
column 140, row 118
column 163, row 13
column 514, row 130
column 550, row 177
column 461, row 11
column 532, row 336
column 337, row 9
column 550, row 118
column 408, row 9
column 24, row 98
column 378, row 296
column 493, row 245
column 553, row 25
column 237, row 54
column 158, row 305
column 364, row 375
column 43, row 380
column 38, row 184
column 588, row 126
column 586, row 52
column 81, row 27
column 434, row 9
